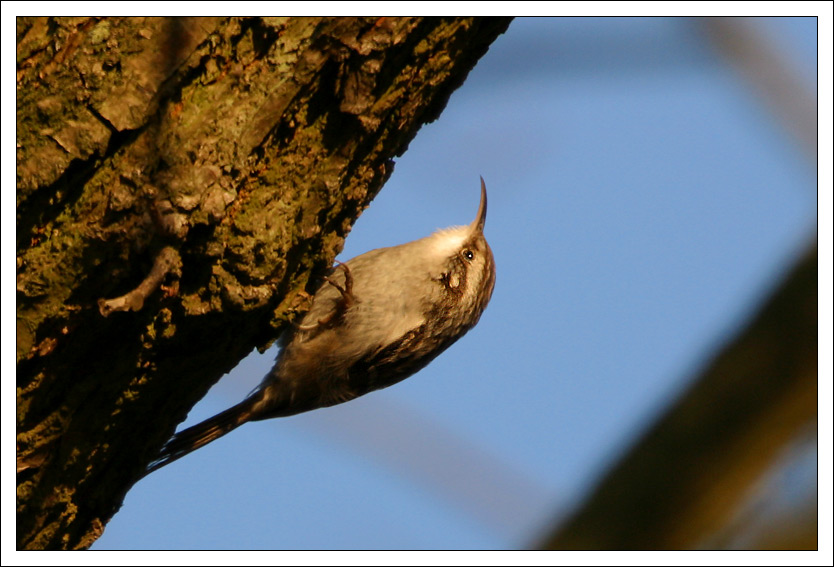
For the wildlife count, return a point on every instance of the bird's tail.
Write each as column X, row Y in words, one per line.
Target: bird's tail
column 203, row 433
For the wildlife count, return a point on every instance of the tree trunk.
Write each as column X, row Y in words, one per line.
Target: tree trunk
column 179, row 181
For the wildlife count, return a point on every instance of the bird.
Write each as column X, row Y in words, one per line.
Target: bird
column 374, row 320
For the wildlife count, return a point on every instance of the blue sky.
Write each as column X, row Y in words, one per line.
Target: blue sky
column 642, row 201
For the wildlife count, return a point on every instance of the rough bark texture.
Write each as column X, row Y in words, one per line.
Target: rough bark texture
column 179, row 181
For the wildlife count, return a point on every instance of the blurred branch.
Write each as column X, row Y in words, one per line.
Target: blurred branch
column 765, row 66
column 780, row 511
column 684, row 479
column 478, row 482
column 682, row 482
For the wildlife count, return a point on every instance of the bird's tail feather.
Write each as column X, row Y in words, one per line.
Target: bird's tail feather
column 202, row 434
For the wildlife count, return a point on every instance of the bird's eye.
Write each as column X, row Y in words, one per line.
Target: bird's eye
column 468, row 254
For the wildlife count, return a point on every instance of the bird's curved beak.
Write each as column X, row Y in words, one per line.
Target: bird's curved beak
column 480, row 218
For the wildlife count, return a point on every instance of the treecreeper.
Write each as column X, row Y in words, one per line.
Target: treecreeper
column 374, row 321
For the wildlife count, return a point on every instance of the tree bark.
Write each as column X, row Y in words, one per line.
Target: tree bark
column 180, row 182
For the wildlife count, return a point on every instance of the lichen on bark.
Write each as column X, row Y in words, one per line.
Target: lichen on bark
column 249, row 146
